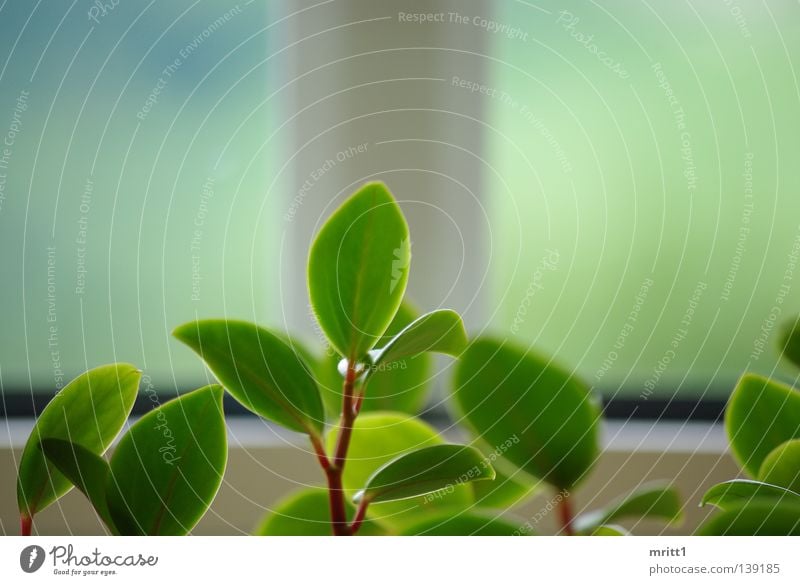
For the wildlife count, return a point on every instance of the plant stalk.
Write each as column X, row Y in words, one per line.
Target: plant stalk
column 360, row 514
column 335, row 467
column 25, row 525
column 566, row 514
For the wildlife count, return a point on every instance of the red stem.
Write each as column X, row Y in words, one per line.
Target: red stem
column 566, row 515
column 360, row 514
column 335, row 467
column 25, row 525
column 336, row 498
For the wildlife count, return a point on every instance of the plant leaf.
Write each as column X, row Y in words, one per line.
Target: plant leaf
column 506, row 491
column 736, row 492
column 89, row 411
column 401, row 385
column 380, row 437
column 546, row 416
column 790, row 341
column 761, row 414
column 756, row 518
column 358, row 270
column 654, row 501
column 260, row 370
column 167, row 469
column 86, row 470
column 782, row 466
column 307, row 513
column 439, row 331
column 467, row 524
column 426, row 470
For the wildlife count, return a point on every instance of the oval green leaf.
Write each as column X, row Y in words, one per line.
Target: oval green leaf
column 380, row 437
column 424, row 471
column 551, row 419
column 467, row 524
column 439, row 331
column 756, row 518
column 86, row 470
column 167, row 469
column 761, row 414
column 736, row 492
column 654, row 501
column 358, row 270
column 307, row 513
column 260, row 370
column 789, row 341
column 89, row 411
column 782, row 466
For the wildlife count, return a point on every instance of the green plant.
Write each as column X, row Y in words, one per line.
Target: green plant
column 531, row 422
column 541, row 424
column 357, row 275
column 762, row 422
column 162, row 476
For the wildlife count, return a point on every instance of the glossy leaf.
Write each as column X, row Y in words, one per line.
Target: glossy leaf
column 400, row 385
column 167, row 469
column 756, row 518
column 89, row 411
column 260, row 370
column 467, row 524
column 609, row 530
column 439, row 331
column 506, row 491
column 761, row 415
column 790, row 341
column 426, row 470
column 736, row 492
column 782, row 466
column 86, row 470
column 358, row 270
column 655, row 501
column 377, row 439
column 547, row 417
column 307, row 513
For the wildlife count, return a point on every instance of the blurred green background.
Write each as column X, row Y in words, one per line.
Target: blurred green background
column 638, row 176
